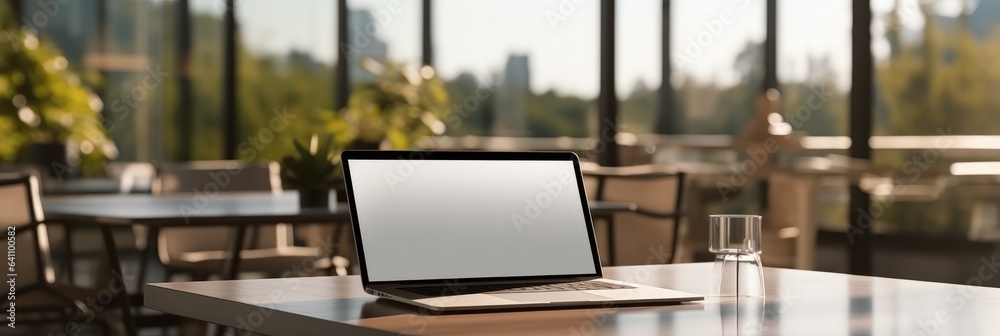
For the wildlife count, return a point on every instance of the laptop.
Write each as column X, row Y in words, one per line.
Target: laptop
column 459, row 231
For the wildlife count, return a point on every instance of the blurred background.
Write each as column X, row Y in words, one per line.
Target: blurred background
column 866, row 132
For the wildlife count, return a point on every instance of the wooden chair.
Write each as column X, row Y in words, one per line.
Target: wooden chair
column 659, row 194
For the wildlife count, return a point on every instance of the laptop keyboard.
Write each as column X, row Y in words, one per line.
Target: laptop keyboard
column 510, row 288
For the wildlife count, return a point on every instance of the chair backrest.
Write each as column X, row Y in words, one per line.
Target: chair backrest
column 22, row 214
column 131, row 174
column 658, row 193
column 25, row 169
column 226, row 176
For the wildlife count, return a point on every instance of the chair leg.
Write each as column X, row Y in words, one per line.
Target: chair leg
column 220, row 330
column 63, row 297
column 339, row 265
column 231, row 268
column 334, row 251
column 105, row 327
column 69, row 252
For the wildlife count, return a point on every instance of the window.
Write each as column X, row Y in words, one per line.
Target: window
column 936, row 81
column 718, row 61
column 127, row 59
column 382, row 30
column 73, row 27
column 535, row 63
column 138, row 74
column 638, row 68
column 814, row 65
column 935, row 66
column 206, row 81
column 286, row 57
column 814, row 72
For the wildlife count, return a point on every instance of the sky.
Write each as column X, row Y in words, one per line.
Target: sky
column 562, row 41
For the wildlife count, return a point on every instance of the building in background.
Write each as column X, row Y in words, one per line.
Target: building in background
column 510, row 118
column 362, row 44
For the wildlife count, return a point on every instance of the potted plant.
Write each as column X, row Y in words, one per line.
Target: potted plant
column 314, row 172
column 395, row 111
column 46, row 112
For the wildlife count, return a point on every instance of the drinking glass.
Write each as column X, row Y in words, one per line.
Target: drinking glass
column 735, row 240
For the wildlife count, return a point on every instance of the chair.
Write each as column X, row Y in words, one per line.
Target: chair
column 14, row 169
column 658, row 193
column 203, row 251
column 788, row 233
column 39, row 298
column 131, row 176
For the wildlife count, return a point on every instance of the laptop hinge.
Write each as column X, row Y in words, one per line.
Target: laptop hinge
column 498, row 281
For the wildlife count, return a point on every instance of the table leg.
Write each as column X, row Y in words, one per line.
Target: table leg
column 145, row 254
column 116, row 268
column 231, row 269
column 67, row 228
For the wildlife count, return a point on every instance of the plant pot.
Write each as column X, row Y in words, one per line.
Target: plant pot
column 52, row 156
column 314, row 198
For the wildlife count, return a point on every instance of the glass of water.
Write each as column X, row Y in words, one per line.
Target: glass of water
column 735, row 241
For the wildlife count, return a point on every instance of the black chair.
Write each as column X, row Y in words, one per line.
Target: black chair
column 131, row 176
column 201, row 252
column 658, row 193
column 39, row 298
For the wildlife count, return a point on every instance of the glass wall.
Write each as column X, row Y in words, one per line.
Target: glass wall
column 138, row 75
column 534, row 63
column 936, row 66
column 937, row 83
column 286, row 57
column 638, row 69
column 120, row 54
column 718, row 63
column 206, row 81
column 531, row 69
column 384, row 31
column 814, row 65
column 814, row 74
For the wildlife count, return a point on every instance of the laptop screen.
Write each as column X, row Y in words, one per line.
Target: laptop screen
column 460, row 219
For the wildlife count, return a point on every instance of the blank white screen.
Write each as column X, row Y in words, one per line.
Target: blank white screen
column 451, row 219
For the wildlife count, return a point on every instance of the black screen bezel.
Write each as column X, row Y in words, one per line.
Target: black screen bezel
column 349, row 155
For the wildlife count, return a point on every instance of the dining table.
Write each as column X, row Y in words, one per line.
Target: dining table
column 239, row 210
column 795, row 302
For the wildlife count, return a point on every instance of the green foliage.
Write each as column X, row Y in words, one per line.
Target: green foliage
column 315, row 167
column 552, row 115
column 297, row 86
column 399, row 108
column 639, row 110
column 473, row 112
column 43, row 101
